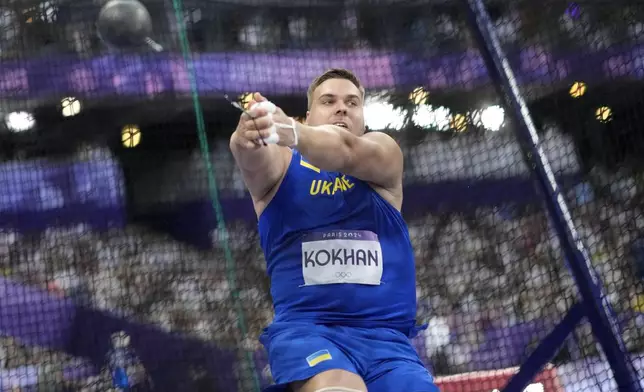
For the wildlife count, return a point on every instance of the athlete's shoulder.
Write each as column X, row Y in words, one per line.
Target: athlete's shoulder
column 378, row 136
column 383, row 139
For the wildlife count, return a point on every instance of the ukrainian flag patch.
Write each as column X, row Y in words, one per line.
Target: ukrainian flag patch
column 318, row 356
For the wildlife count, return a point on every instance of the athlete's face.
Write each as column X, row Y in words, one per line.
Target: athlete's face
column 337, row 101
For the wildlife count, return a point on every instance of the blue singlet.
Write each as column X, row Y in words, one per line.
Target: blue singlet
column 339, row 259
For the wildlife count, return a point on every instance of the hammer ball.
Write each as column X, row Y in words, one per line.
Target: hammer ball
column 124, row 23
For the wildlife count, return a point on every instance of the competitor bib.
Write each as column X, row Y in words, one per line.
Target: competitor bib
column 341, row 256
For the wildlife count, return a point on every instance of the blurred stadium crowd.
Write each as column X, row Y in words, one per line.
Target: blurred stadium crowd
column 480, row 268
column 491, row 278
column 42, row 27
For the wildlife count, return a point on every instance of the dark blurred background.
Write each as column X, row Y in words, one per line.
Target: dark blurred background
column 109, row 221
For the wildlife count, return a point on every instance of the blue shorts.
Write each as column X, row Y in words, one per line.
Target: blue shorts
column 383, row 357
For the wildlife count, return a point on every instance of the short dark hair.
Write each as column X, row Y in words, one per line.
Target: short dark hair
column 334, row 73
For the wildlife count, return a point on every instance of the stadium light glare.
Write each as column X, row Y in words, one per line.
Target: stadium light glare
column 381, row 115
column 427, row 116
column 244, row 100
column 20, row 121
column 604, row 114
column 578, row 89
column 438, row 334
column 491, row 118
column 419, row 96
column 130, row 136
column 458, row 122
column 70, row 106
column 637, row 303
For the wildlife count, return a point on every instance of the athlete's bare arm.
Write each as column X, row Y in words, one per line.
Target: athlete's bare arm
column 374, row 157
column 262, row 166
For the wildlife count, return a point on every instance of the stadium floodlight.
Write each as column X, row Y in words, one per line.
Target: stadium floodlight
column 245, row 99
column 131, row 136
column 491, row 118
column 604, row 114
column 427, row 116
column 20, row 121
column 418, row 96
column 381, row 115
column 577, row 89
column 70, row 106
column 458, row 122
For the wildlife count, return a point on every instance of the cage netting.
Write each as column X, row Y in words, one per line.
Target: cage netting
column 128, row 239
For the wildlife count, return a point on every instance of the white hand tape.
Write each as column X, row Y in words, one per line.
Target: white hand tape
column 270, row 107
column 274, row 138
column 266, row 105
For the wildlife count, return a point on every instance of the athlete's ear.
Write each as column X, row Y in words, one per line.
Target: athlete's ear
column 306, row 121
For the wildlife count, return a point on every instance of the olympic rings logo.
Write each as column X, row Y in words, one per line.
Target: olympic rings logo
column 343, row 275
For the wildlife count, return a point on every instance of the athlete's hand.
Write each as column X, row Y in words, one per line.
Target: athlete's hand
column 268, row 122
column 242, row 135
